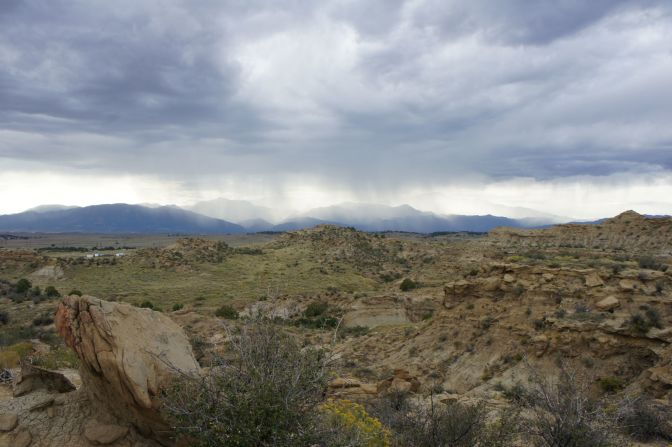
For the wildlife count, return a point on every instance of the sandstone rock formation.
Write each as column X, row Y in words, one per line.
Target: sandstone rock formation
column 627, row 231
column 127, row 355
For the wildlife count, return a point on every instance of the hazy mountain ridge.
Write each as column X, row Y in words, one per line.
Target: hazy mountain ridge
column 117, row 218
column 239, row 216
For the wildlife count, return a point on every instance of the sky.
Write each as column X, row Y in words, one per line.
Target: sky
column 561, row 107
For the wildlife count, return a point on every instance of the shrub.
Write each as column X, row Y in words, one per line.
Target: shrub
column 177, row 306
column 267, row 394
column 75, row 292
column 315, row 309
column 22, row 286
column 43, row 321
column 650, row 318
column 355, row 331
column 4, row 317
column 227, row 311
column 51, row 292
column 610, row 384
column 486, row 322
column 562, row 413
column 453, row 424
column 349, row 424
column 654, row 318
column 321, row 322
column 641, row 420
column 649, row 262
column 408, row 284
column 147, row 305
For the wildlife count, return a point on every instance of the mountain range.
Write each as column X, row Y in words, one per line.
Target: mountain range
column 237, row 216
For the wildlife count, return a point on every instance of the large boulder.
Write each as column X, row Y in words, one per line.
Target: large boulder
column 127, row 356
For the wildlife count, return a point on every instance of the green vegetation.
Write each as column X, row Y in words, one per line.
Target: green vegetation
column 610, row 384
column 408, row 284
column 268, row 395
column 52, row 292
column 316, row 309
column 227, row 311
column 23, row 286
column 642, row 323
column 60, row 357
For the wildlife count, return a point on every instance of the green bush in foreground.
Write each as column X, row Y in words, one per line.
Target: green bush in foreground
column 267, row 395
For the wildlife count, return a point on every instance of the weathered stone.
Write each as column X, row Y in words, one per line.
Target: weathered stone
column 42, row 404
column 33, row 378
column 344, row 382
column 369, row 388
column 628, row 285
column 104, row 434
column 509, row 278
column 22, row 439
column 490, row 284
column 402, row 380
column 8, row 421
column 594, row 280
column 127, row 356
column 609, row 303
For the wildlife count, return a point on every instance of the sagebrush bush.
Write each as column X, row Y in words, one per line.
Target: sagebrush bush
column 266, row 393
column 408, row 284
column 562, row 413
column 610, row 384
column 640, row 419
column 436, row 424
column 315, row 309
column 51, row 292
column 227, row 311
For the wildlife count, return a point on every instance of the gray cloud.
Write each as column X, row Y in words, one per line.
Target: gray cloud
column 376, row 94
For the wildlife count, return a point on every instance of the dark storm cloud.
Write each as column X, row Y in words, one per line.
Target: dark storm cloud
column 376, row 92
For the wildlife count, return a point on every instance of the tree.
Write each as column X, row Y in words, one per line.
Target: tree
column 22, row 286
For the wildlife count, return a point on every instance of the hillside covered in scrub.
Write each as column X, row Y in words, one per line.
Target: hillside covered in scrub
column 408, row 339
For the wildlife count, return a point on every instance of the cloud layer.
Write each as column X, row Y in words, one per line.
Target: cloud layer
column 260, row 99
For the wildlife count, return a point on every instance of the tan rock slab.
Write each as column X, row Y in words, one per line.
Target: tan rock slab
column 609, row 303
column 8, row 421
column 22, row 439
column 594, row 280
column 104, row 434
